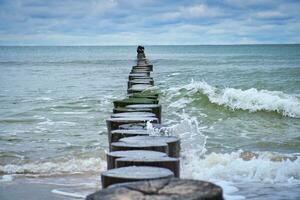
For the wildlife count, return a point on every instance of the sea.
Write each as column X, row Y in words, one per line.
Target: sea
column 236, row 109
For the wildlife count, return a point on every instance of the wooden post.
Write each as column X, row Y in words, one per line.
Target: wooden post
column 116, row 135
column 112, row 156
column 155, row 109
column 172, row 142
column 142, row 145
column 130, row 174
column 132, row 114
column 164, row 162
column 135, row 156
column 132, row 101
column 162, row 189
column 114, row 123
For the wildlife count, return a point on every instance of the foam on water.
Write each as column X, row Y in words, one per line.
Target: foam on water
column 234, row 167
column 271, row 167
column 226, row 169
column 50, row 123
column 193, row 141
column 251, row 99
column 7, row 178
column 69, row 194
column 44, row 99
column 53, row 168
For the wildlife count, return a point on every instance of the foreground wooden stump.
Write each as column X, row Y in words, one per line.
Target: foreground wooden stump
column 164, row 162
column 130, row 174
column 112, row 156
column 162, row 189
column 172, row 142
column 116, row 135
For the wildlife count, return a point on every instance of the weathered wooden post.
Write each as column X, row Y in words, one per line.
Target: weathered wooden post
column 172, row 142
column 155, row 109
column 114, row 155
column 142, row 145
column 130, row 174
column 161, row 189
column 116, row 135
column 132, row 114
column 114, row 123
column 135, row 155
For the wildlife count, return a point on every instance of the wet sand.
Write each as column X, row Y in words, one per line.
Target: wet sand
column 48, row 188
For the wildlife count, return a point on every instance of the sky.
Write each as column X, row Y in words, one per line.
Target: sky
column 149, row 22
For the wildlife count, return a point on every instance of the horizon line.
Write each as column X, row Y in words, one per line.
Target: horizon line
column 113, row 45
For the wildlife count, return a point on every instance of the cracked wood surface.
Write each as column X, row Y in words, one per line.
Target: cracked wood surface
column 163, row 189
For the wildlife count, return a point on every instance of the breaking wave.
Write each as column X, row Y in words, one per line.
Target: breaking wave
column 227, row 169
column 245, row 166
column 269, row 167
column 251, row 99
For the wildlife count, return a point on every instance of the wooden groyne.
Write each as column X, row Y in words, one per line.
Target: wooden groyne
column 139, row 165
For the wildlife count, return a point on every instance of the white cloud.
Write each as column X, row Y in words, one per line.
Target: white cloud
column 269, row 14
column 190, row 12
column 200, row 10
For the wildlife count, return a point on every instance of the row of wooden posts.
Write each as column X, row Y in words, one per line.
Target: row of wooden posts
column 139, row 165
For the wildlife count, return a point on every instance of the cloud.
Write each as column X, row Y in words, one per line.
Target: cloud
column 196, row 11
column 201, row 10
column 105, row 22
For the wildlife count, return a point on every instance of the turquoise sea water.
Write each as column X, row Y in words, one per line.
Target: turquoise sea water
column 235, row 108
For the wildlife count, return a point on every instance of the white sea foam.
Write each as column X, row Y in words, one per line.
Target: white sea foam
column 239, row 165
column 175, row 74
column 70, row 113
column 44, row 99
column 193, row 143
column 192, row 140
column 229, row 190
column 6, row 178
column 250, row 99
column 51, row 168
column 233, row 167
column 51, row 123
column 225, row 169
column 69, row 194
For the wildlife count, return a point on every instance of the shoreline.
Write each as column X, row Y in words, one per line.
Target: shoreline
column 61, row 187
